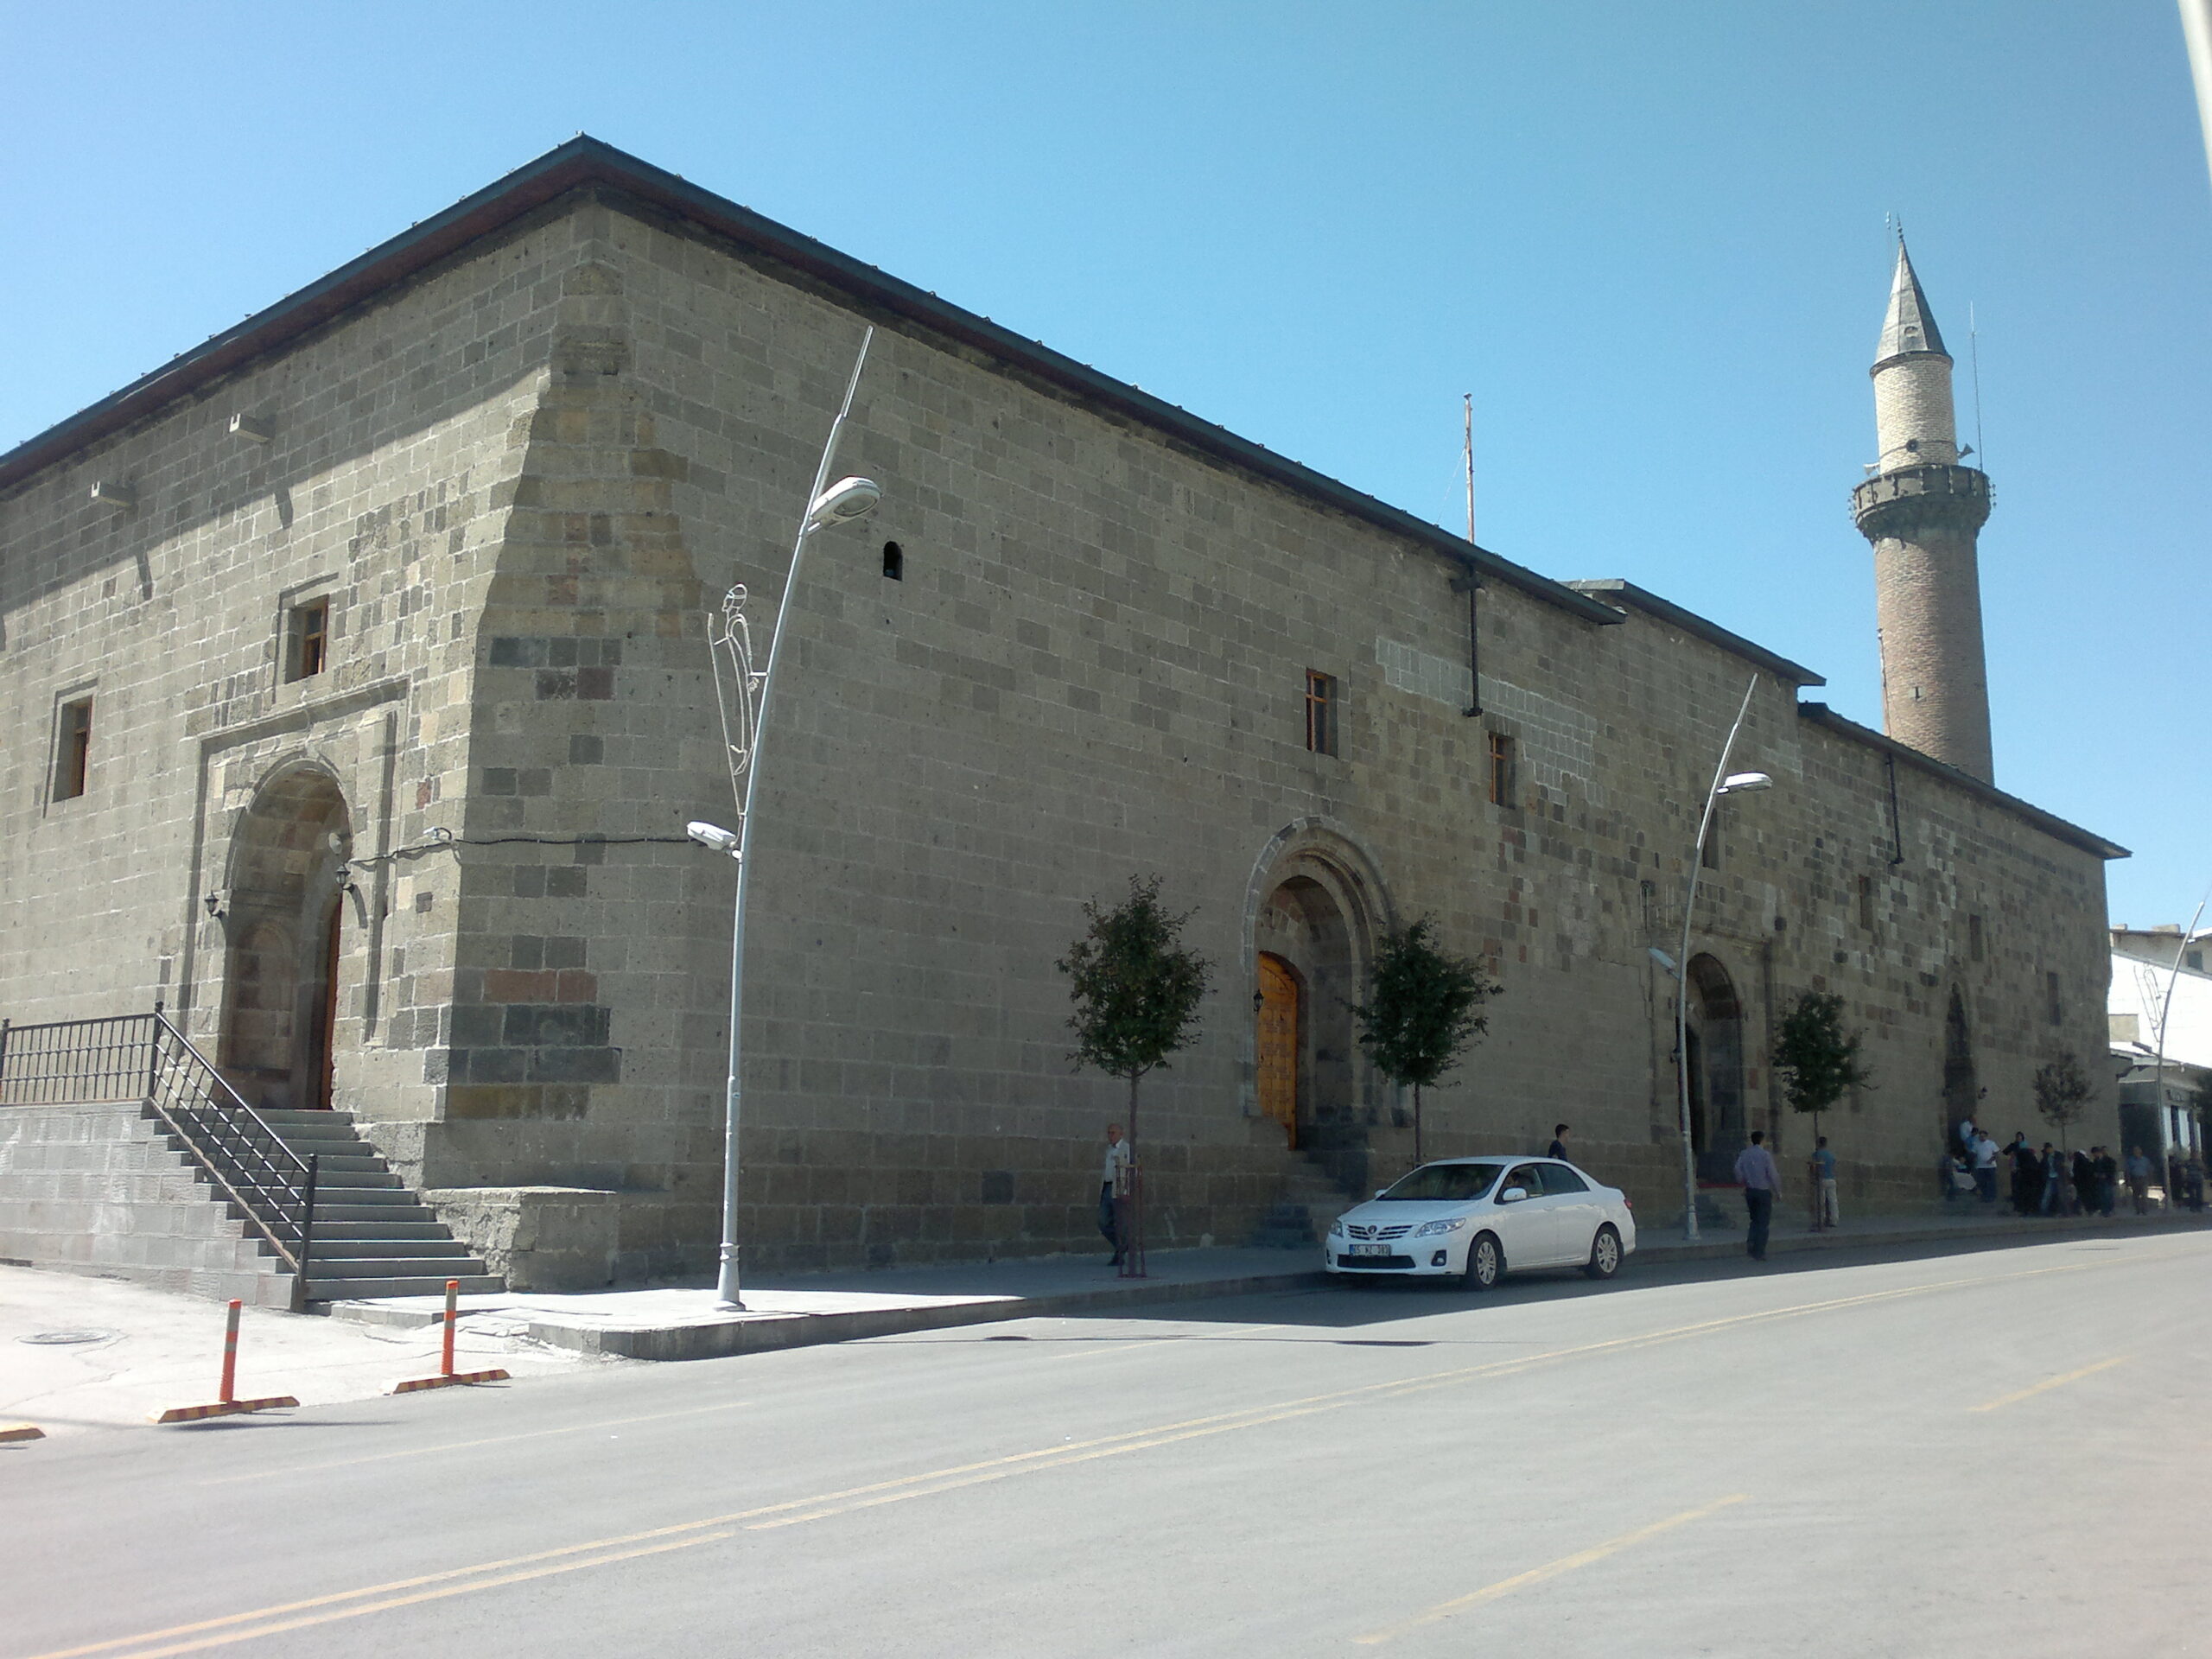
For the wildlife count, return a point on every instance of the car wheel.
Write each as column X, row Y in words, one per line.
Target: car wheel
column 1485, row 1263
column 1605, row 1254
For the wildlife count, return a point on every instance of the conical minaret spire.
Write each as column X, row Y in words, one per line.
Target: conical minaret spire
column 1923, row 513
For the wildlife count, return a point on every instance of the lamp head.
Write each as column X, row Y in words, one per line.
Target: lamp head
column 1738, row 783
column 713, row 836
column 847, row 500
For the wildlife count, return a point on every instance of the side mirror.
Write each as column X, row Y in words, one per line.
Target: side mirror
column 1513, row 1195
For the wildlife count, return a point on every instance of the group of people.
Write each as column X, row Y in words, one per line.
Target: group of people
column 2048, row 1180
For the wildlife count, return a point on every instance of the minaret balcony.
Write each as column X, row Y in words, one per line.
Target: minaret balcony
column 1894, row 505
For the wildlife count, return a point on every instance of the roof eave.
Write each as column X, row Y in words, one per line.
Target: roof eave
column 585, row 161
column 2049, row 823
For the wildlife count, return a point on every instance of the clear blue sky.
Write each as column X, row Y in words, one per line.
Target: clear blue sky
column 1649, row 237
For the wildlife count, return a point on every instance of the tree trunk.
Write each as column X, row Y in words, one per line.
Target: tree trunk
column 1131, row 1206
column 1418, row 1159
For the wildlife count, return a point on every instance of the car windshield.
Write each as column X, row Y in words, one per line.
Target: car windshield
column 1445, row 1183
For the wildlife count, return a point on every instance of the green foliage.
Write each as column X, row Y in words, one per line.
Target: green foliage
column 1424, row 1010
column 1136, row 990
column 1424, row 1006
column 2061, row 1092
column 1817, row 1058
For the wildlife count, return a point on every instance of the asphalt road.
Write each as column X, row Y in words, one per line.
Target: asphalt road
column 1998, row 1452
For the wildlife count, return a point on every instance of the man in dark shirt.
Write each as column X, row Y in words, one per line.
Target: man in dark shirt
column 1559, row 1143
column 2107, row 1169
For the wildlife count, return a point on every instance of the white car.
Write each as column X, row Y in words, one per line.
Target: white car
column 1480, row 1219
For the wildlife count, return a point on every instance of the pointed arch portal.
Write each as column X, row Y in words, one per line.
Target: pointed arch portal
column 284, row 924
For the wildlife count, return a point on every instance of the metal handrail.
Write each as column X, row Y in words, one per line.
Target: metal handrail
column 142, row 1057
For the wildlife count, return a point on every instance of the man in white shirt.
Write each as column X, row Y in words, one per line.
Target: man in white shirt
column 1755, row 1168
column 1114, row 1183
column 1985, row 1166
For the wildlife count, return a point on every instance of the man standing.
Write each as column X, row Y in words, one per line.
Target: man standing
column 2107, row 1180
column 1114, row 1184
column 2139, row 1180
column 1985, row 1166
column 1755, row 1168
column 1559, row 1143
column 1824, row 1206
column 2027, row 1173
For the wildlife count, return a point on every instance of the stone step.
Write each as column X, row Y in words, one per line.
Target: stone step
column 324, row 1288
column 364, row 1163
column 328, row 1249
column 372, row 1180
column 397, row 1266
column 1286, row 1227
column 403, row 1210
column 330, row 1227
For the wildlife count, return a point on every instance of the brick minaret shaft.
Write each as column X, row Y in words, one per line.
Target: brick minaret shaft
column 1923, row 511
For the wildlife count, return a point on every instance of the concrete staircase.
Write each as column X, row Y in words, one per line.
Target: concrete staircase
column 373, row 1236
column 1310, row 1202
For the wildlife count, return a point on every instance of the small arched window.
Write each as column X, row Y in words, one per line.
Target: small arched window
column 895, row 562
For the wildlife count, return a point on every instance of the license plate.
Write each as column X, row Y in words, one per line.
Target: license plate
column 1370, row 1249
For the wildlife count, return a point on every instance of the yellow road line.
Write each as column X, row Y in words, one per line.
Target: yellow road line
column 229, row 1636
column 464, row 1445
column 1550, row 1570
column 2050, row 1382
column 922, row 1485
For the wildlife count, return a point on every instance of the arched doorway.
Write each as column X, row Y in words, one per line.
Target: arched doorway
column 284, row 919
column 1960, row 1089
column 1276, row 1007
column 1308, row 954
column 1715, row 1063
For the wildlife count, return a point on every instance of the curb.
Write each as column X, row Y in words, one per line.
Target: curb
column 722, row 1340
column 727, row 1338
column 2002, row 1231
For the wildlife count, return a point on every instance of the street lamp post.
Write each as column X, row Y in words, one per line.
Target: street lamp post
column 1724, row 783
column 745, row 705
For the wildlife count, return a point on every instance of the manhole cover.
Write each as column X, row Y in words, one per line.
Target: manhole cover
column 64, row 1339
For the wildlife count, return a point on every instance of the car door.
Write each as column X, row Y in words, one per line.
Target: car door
column 1574, row 1211
column 1524, row 1227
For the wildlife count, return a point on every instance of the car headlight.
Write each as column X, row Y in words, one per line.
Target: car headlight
column 1430, row 1229
column 1336, row 1227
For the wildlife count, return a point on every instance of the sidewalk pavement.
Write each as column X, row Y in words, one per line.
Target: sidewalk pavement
column 784, row 1311
column 79, row 1352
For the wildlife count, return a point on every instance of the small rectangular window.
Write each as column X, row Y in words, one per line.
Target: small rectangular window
column 1501, row 769
column 1974, row 938
column 1866, row 902
column 73, row 757
column 1712, row 855
column 2194, row 960
column 2057, row 1003
column 307, row 648
column 1320, row 713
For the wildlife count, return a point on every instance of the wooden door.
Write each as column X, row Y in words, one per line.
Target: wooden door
column 1277, row 1046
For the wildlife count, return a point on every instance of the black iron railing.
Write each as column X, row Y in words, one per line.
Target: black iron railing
column 141, row 1057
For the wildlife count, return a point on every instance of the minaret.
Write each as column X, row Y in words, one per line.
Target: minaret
column 1923, row 510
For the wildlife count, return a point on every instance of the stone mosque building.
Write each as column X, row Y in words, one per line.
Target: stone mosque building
column 354, row 695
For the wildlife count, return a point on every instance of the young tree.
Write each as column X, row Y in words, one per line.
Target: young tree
column 1136, row 992
column 1423, row 1011
column 2062, row 1093
column 1817, row 1058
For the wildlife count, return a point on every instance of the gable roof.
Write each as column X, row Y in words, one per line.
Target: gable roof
column 584, row 163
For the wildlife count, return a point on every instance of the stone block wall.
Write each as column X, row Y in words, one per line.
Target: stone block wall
column 521, row 481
